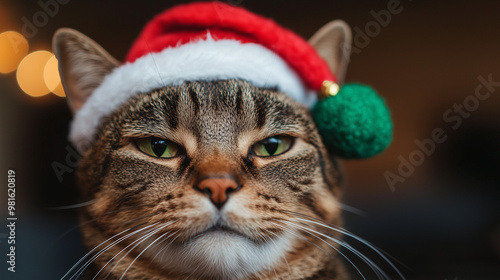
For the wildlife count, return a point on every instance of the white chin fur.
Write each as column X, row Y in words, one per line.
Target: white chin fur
column 222, row 256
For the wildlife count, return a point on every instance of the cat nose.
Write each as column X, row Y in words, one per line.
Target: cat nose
column 218, row 188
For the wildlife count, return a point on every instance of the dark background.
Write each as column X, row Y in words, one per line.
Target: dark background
column 441, row 220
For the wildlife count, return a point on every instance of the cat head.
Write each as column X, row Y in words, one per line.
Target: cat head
column 213, row 179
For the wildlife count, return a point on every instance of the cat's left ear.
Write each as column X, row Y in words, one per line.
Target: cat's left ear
column 83, row 64
column 333, row 44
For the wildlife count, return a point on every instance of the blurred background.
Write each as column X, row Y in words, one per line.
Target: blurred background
column 432, row 200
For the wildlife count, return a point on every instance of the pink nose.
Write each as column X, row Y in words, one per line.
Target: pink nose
column 218, row 187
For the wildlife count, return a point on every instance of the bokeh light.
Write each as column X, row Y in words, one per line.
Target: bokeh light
column 52, row 78
column 13, row 47
column 30, row 73
column 59, row 90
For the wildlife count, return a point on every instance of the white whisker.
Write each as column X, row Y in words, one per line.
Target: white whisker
column 86, row 255
column 80, row 271
column 73, row 206
column 378, row 271
column 299, row 236
column 351, row 209
column 330, row 245
column 162, row 250
column 284, row 256
column 97, row 218
column 274, row 267
column 137, row 243
column 147, row 247
column 366, row 243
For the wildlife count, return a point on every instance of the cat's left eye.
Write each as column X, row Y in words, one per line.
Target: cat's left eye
column 272, row 146
column 158, row 147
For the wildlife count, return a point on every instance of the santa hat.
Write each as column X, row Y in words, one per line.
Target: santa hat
column 210, row 41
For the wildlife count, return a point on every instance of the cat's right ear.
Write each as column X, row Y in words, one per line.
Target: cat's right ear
column 83, row 64
column 333, row 44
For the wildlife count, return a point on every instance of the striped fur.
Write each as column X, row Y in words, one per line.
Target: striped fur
column 216, row 123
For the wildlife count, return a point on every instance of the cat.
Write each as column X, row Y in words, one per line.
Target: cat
column 205, row 179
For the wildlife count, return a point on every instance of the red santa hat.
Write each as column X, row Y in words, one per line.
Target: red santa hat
column 215, row 41
column 191, row 23
column 206, row 41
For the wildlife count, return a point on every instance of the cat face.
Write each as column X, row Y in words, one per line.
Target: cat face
column 204, row 180
column 211, row 130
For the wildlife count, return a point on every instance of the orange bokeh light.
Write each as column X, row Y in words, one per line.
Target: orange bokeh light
column 13, row 47
column 52, row 78
column 30, row 73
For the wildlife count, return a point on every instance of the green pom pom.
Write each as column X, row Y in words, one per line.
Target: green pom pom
column 355, row 123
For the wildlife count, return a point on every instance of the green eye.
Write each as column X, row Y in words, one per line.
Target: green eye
column 158, row 147
column 272, row 146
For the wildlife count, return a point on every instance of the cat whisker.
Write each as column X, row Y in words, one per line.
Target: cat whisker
column 79, row 271
column 381, row 253
column 145, row 249
column 351, row 209
column 298, row 236
column 266, row 240
column 137, row 243
column 90, row 252
column 110, row 246
column 315, row 245
column 163, row 249
column 378, row 251
column 147, row 232
column 73, row 206
column 142, row 217
column 284, row 257
column 377, row 270
column 97, row 218
column 154, row 61
column 139, row 240
column 330, row 245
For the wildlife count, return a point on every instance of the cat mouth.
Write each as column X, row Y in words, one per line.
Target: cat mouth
column 220, row 230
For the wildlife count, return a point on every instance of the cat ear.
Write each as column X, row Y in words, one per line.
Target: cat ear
column 333, row 43
column 83, row 64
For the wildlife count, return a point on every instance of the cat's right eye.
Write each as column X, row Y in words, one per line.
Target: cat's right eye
column 158, row 147
column 272, row 146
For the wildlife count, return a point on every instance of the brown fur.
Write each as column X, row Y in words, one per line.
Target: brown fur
column 131, row 189
column 215, row 124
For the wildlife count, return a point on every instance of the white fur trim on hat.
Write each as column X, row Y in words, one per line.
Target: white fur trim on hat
column 203, row 60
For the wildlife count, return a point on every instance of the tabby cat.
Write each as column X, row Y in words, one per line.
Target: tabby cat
column 207, row 179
